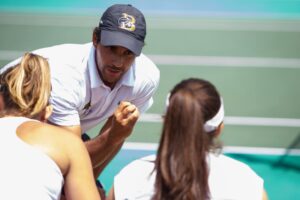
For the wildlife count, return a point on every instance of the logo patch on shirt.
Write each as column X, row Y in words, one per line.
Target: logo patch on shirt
column 86, row 108
column 127, row 22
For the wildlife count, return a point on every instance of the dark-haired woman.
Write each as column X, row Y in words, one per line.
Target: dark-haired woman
column 186, row 166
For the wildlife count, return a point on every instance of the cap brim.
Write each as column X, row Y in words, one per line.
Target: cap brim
column 114, row 38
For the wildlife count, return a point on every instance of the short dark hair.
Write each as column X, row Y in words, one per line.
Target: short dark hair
column 97, row 33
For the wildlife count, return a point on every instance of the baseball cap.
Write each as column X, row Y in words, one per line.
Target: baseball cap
column 123, row 25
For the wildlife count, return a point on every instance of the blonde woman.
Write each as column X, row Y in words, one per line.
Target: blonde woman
column 38, row 159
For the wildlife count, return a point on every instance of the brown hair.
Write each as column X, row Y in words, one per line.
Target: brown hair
column 97, row 33
column 26, row 87
column 181, row 167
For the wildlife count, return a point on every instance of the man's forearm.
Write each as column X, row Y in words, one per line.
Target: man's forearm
column 101, row 149
column 98, row 170
column 112, row 136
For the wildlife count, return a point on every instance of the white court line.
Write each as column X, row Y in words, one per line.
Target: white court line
column 235, row 120
column 226, row 61
column 160, row 22
column 224, row 24
column 226, row 149
column 214, row 61
column 49, row 20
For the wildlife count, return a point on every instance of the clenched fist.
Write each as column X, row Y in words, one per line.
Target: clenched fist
column 124, row 119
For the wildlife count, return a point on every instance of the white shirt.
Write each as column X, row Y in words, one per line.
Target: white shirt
column 76, row 83
column 228, row 179
column 26, row 172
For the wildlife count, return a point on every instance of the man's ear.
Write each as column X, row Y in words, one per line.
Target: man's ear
column 219, row 130
column 1, row 102
column 46, row 113
column 95, row 38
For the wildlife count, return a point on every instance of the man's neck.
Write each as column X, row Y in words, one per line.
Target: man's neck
column 108, row 84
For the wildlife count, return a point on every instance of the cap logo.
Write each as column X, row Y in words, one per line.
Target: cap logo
column 126, row 22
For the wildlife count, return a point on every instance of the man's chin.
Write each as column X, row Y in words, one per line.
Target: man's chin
column 110, row 82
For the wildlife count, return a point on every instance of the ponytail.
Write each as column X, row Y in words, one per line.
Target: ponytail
column 26, row 87
column 181, row 164
column 181, row 168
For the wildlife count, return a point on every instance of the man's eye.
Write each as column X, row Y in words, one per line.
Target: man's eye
column 111, row 48
column 128, row 53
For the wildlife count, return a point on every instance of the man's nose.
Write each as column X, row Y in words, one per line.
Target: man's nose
column 118, row 61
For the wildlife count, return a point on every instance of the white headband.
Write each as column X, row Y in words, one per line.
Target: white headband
column 214, row 122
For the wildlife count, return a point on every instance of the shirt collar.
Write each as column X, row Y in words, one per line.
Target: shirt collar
column 129, row 77
column 96, row 81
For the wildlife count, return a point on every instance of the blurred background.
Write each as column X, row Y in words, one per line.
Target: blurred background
column 249, row 49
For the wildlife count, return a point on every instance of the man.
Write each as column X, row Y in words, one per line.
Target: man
column 108, row 79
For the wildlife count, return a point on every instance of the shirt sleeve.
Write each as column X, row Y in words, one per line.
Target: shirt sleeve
column 145, row 100
column 66, row 95
column 145, row 88
column 64, row 111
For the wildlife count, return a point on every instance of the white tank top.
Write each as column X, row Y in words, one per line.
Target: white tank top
column 25, row 171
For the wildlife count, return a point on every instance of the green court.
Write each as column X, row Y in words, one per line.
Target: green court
column 249, row 50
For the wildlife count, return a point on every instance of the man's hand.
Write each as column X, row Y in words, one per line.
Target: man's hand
column 111, row 137
column 123, row 121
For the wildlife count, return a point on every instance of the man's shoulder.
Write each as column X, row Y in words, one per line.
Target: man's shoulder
column 146, row 69
column 68, row 77
column 67, row 59
column 65, row 52
column 62, row 54
column 62, row 47
column 145, row 62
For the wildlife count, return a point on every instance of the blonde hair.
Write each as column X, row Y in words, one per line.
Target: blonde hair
column 26, row 87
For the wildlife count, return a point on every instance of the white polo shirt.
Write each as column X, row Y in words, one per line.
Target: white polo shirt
column 77, row 84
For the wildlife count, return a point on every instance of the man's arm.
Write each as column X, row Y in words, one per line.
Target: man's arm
column 111, row 137
column 97, row 147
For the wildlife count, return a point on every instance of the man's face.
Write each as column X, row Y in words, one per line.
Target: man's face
column 113, row 62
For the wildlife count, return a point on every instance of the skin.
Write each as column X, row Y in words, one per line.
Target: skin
column 1, row 102
column 67, row 151
column 112, row 62
column 111, row 137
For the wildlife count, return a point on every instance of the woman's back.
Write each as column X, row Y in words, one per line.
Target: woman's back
column 231, row 179
column 228, row 179
column 26, row 171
